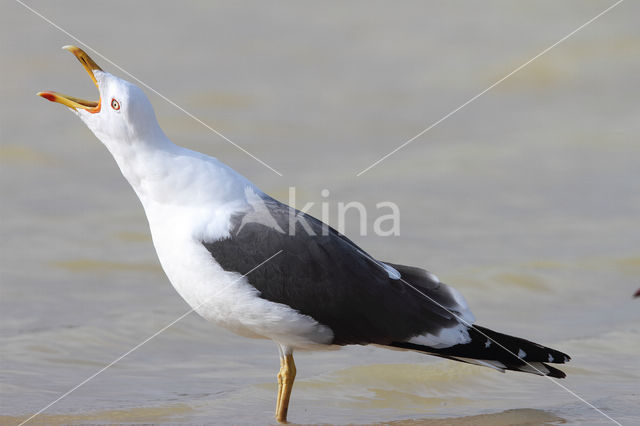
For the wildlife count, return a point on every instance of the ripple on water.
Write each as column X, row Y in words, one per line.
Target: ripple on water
column 521, row 416
column 417, row 388
column 168, row 414
column 92, row 265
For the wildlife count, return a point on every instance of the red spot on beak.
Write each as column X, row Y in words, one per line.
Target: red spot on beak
column 48, row 96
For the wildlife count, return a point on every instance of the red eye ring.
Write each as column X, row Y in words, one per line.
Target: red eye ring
column 115, row 104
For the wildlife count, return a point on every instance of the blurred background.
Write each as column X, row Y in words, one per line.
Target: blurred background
column 527, row 201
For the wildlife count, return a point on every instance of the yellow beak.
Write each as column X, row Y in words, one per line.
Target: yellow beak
column 70, row 101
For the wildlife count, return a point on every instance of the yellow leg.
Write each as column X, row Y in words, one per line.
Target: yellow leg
column 280, row 382
column 286, row 376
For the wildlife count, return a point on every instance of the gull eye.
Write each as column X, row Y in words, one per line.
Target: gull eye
column 115, row 104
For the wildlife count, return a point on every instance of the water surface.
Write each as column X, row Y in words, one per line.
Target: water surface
column 527, row 200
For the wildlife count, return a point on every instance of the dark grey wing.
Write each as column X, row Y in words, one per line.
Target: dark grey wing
column 326, row 276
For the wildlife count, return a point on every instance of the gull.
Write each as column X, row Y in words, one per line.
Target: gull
column 262, row 269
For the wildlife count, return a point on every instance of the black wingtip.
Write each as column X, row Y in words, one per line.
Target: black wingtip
column 554, row 372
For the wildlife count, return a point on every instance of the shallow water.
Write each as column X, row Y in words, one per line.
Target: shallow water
column 527, row 200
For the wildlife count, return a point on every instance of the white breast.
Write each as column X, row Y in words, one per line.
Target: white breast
column 225, row 298
column 189, row 198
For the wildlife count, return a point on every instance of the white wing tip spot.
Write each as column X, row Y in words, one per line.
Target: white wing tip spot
column 550, row 358
column 521, row 354
column 487, row 343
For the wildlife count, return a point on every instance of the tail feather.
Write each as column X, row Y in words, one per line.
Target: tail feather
column 499, row 351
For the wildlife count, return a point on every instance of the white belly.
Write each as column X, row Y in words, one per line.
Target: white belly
column 227, row 298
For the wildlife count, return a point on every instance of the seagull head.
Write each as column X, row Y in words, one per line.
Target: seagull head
column 122, row 113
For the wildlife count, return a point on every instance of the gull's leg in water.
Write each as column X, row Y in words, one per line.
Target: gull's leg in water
column 286, row 376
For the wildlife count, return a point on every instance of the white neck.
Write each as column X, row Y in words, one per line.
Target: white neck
column 164, row 174
column 137, row 158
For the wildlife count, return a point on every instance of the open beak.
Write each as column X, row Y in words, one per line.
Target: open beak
column 70, row 101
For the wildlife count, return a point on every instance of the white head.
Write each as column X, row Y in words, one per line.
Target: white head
column 123, row 114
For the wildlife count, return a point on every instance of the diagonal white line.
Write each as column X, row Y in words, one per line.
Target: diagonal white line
column 64, row 395
column 147, row 86
column 434, row 124
column 468, row 324
column 275, row 171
